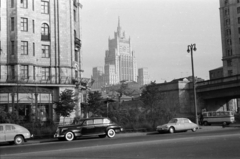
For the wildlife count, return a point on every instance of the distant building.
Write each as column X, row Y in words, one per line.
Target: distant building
column 40, row 54
column 216, row 73
column 120, row 63
column 143, row 76
column 230, row 31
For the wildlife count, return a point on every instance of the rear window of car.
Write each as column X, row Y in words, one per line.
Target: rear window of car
column 106, row 121
column 98, row 121
column 89, row 122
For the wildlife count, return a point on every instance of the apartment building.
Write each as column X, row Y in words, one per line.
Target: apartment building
column 40, row 54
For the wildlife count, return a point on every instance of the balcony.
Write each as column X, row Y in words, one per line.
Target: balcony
column 45, row 37
column 78, row 43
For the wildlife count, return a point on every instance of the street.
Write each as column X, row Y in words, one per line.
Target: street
column 222, row 143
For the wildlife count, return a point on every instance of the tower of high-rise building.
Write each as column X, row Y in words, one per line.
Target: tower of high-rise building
column 230, row 31
column 120, row 62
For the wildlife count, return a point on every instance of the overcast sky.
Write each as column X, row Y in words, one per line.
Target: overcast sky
column 160, row 31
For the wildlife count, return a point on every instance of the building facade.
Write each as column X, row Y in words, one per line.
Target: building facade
column 230, row 31
column 40, row 54
column 143, row 76
column 120, row 62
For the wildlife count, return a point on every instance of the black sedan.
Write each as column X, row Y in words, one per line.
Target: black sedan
column 85, row 127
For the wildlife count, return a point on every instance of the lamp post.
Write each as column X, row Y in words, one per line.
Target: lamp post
column 190, row 49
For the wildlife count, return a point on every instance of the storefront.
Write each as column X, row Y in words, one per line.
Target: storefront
column 25, row 103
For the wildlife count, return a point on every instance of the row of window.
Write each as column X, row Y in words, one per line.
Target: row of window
column 24, row 4
column 24, row 72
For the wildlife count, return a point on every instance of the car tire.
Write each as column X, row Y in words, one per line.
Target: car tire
column 171, row 130
column 111, row 133
column 205, row 123
column 224, row 123
column 194, row 129
column 18, row 140
column 69, row 136
column 102, row 136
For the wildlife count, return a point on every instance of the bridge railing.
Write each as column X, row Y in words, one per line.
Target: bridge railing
column 219, row 80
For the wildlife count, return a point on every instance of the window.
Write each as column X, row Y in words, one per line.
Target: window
column 229, row 63
column 229, row 42
column 45, row 32
column 45, row 73
column 76, row 74
column 12, row 3
column 8, row 127
column 24, row 47
column 33, row 26
column 24, row 3
column 12, row 23
column 32, row 4
column 74, row 15
column 227, row 21
column 238, row 10
column 24, row 24
column 34, row 72
column 238, row 30
column 33, row 49
column 229, row 52
column 98, row 121
column 230, row 72
column 238, row 20
column 45, row 51
column 45, row 7
column 228, row 32
column 12, row 72
column 12, row 47
column 24, row 71
column 76, row 55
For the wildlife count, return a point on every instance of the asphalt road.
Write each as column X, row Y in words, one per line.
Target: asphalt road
column 222, row 143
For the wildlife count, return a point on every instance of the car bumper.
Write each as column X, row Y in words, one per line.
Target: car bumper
column 58, row 136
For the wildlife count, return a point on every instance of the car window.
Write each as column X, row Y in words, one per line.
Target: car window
column 13, row 127
column 98, row 121
column 8, row 127
column 106, row 121
column 186, row 121
column 1, row 128
column 173, row 121
column 89, row 122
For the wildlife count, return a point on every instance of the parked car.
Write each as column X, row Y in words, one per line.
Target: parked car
column 86, row 127
column 14, row 133
column 178, row 124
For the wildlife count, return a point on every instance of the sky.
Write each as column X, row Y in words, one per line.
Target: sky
column 160, row 32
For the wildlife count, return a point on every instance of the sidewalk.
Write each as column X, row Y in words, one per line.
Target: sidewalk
column 131, row 134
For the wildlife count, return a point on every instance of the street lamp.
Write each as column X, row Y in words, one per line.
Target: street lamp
column 190, row 49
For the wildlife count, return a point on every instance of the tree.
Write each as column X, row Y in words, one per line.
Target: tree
column 95, row 103
column 66, row 103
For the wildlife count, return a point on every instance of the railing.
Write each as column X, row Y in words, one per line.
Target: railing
column 38, row 79
column 219, row 81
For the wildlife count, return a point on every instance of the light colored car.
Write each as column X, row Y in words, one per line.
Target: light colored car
column 14, row 133
column 178, row 124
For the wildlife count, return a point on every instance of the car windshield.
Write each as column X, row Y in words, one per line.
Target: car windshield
column 173, row 121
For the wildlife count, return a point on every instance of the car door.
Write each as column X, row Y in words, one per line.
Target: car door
column 180, row 125
column 10, row 133
column 2, row 134
column 88, row 127
column 99, row 126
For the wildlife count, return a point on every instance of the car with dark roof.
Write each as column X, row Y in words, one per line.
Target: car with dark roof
column 14, row 133
column 100, row 126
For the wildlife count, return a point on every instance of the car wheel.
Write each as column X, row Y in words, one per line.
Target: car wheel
column 111, row 133
column 224, row 123
column 102, row 136
column 205, row 123
column 18, row 140
column 171, row 130
column 194, row 129
column 69, row 136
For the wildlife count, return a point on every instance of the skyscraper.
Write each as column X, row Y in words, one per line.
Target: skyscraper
column 120, row 61
column 230, row 31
